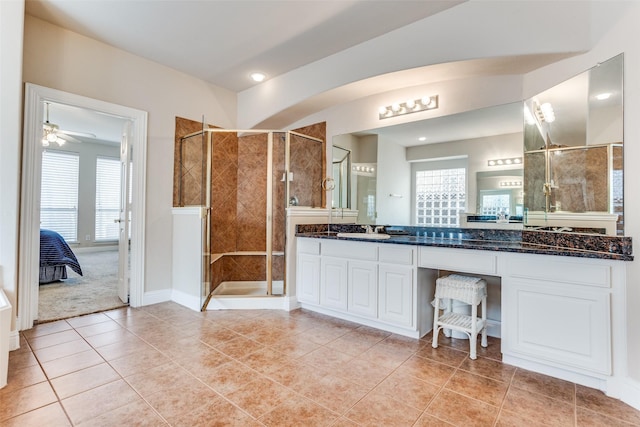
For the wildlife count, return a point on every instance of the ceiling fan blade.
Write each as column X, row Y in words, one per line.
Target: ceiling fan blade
column 68, row 138
column 74, row 133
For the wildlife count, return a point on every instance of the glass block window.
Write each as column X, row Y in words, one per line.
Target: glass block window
column 440, row 197
column 493, row 204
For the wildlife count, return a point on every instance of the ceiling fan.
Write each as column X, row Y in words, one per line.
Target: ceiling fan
column 52, row 133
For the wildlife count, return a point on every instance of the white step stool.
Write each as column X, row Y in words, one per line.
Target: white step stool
column 470, row 290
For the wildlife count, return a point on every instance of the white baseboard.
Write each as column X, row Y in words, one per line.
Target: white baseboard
column 185, row 299
column 626, row 389
column 155, row 297
column 248, row 303
column 14, row 340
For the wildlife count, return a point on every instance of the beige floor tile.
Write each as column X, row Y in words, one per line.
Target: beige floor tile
column 47, row 328
column 71, row 363
column 596, row 400
column 326, row 358
column 332, row 392
column 537, row 408
column 295, row 346
column 461, row 410
column 56, row 338
column 353, row 344
column 408, row 390
column 97, row 401
column 110, row 337
column 98, row 328
column 265, row 360
column 53, row 352
column 25, row 399
column 587, row 418
column 19, row 360
column 83, row 380
column 160, row 378
column 260, row 396
column 23, row 377
column 427, row 370
column 386, row 355
column 217, row 413
column 443, row 354
column 228, row 377
column 135, row 414
column 363, row 372
column 50, row 416
column 478, row 387
column 89, row 319
column 377, row 409
column 238, row 347
column 546, row 385
column 427, row 420
column 298, row 411
column 139, row 361
column 181, row 400
column 128, row 345
column 489, row 368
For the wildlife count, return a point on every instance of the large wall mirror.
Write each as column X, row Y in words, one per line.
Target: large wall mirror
column 573, row 141
column 486, row 143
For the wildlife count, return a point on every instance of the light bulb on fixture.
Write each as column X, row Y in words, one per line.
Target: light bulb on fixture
column 382, row 111
column 258, row 77
column 410, row 104
column 395, row 107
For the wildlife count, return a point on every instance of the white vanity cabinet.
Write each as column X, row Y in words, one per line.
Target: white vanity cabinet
column 558, row 311
column 308, row 271
column 366, row 282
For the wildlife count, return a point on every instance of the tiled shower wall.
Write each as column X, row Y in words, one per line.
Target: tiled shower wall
column 238, row 193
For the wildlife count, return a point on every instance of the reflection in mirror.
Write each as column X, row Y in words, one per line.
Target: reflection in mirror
column 397, row 153
column 342, row 178
column 500, row 192
column 573, row 136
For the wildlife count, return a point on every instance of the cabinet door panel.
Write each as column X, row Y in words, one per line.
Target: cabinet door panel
column 308, row 281
column 363, row 288
column 395, row 297
column 559, row 323
column 333, row 283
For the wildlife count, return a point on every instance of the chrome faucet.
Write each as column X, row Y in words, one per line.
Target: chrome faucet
column 367, row 228
column 379, row 229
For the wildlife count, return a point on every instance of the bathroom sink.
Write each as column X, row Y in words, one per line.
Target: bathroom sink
column 372, row 236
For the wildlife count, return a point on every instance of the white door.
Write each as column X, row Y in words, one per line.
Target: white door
column 125, row 208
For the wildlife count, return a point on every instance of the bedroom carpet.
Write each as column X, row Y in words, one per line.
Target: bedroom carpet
column 95, row 291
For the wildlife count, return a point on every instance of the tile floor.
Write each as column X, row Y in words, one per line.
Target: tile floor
column 167, row 365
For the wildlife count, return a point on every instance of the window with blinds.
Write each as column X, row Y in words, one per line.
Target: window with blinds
column 107, row 198
column 59, row 193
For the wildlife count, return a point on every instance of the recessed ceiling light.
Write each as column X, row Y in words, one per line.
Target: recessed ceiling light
column 258, row 77
column 422, row 138
column 603, row 96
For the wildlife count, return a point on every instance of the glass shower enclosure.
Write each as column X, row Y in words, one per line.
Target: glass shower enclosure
column 243, row 181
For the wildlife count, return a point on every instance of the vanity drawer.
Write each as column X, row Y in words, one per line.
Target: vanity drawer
column 396, row 254
column 462, row 260
column 350, row 250
column 308, row 246
column 551, row 269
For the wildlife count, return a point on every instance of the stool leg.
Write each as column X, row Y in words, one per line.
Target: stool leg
column 436, row 329
column 473, row 338
column 449, row 309
column 484, row 322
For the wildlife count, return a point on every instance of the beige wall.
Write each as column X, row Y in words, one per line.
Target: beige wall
column 83, row 66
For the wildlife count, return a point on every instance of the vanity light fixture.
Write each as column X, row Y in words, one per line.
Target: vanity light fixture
column 545, row 112
column 367, row 169
column 409, row 106
column 513, row 184
column 503, row 162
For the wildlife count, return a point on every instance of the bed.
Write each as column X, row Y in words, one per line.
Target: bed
column 55, row 256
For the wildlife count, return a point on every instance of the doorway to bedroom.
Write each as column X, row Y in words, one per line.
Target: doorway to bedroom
column 101, row 219
column 80, row 200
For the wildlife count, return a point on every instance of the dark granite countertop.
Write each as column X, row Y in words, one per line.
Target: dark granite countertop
column 520, row 241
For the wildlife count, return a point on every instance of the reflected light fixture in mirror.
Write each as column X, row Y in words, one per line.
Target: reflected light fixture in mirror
column 409, row 106
column 505, row 162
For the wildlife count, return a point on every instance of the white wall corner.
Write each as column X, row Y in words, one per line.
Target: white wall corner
column 185, row 299
column 156, row 297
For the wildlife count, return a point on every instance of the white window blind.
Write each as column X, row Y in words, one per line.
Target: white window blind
column 440, row 197
column 59, row 193
column 107, row 198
